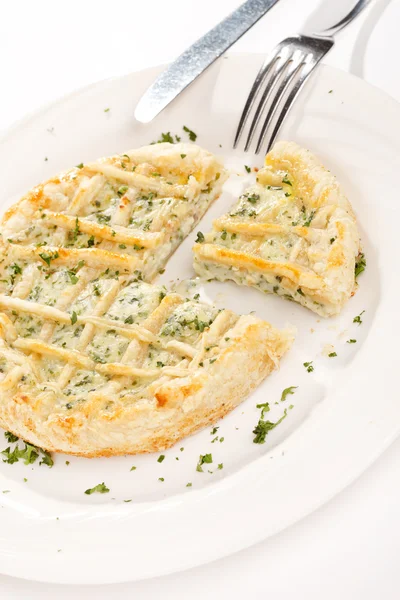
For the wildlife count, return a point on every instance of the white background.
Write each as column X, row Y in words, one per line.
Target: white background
column 349, row 549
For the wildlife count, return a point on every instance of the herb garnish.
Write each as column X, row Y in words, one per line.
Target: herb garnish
column 74, row 318
column 357, row 319
column 192, row 134
column 351, row 341
column 361, row 263
column 161, row 458
column 286, row 180
column 47, row 258
column 263, row 427
column 200, row 238
column 203, row 459
column 332, row 354
column 287, row 391
column 10, row 437
column 100, row 488
column 248, row 169
column 309, row 366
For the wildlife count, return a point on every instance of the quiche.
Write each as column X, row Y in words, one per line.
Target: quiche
column 94, row 359
column 292, row 233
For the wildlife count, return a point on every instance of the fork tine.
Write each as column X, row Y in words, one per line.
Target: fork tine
column 304, row 74
column 261, row 75
column 295, row 65
column 270, row 84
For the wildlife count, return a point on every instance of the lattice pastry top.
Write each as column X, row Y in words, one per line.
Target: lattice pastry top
column 93, row 360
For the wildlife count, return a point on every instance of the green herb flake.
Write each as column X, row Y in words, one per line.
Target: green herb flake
column 287, row 391
column 74, row 318
column 100, row 488
column 47, row 258
column 192, row 134
column 332, row 354
column 129, row 320
column 200, row 238
column 262, row 428
column 10, row 437
column 106, row 110
column 361, row 263
column 161, row 479
column 351, row 341
column 214, row 430
column 203, row 459
column 72, row 277
column 80, row 166
column 133, row 468
column 122, row 190
column 248, row 169
column 161, row 458
column 220, row 466
column 189, row 484
column 183, row 155
column 90, row 241
column 309, row 366
column 357, row 319
column 286, row 180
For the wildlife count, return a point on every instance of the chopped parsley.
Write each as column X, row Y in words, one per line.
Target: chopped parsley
column 253, row 199
column 357, row 319
column 300, row 291
column 361, row 263
column 122, row 190
column 332, row 354
column 80, row 166
column 100, row 488
column 129, row 320
column 189, row 484
column 10, row 437
column 200, row 238
column 165, row 137
column 351, row 341
column 106, row 110
column 221, row 466
column 133, row 468
column 307, row 222
column 263, row 427
column 286, row 180
column 29, row 454
column 183, row 155
column 203, row 459
column 74, row 318
column 72, row 277
column 192, row 134
column 265, row 408
column 90, row 241
column 248, row 169
column 287, row 391
column 214, row 430
column 309, row 366
column 161, row 458
column 16, row 268
column 47, row 258
column 161, row 479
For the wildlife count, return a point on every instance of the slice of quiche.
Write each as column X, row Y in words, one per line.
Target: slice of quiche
column 96, row 363
column 128, row 212
column 293, row 233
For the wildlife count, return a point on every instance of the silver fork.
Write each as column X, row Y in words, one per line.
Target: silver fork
column 281, row 78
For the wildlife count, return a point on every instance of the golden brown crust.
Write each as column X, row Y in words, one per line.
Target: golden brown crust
column 93, row 360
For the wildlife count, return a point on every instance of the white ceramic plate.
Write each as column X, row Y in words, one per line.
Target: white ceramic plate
column 345, row 413
column 380, row 32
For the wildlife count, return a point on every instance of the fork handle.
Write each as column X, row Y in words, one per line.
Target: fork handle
column 355, row 11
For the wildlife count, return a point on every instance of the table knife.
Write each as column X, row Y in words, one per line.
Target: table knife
column 196, row 59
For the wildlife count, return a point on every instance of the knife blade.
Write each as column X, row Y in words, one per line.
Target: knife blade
column 189, row 65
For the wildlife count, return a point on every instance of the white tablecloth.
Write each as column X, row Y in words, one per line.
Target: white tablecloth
column 348, row 549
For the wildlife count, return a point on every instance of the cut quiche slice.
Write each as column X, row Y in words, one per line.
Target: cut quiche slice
column 96, row 363
column 128, row 212
column 293, row 233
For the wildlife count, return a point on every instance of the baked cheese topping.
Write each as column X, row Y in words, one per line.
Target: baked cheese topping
column 292, row 233
column 94, row 360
